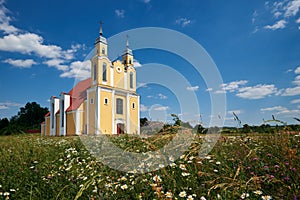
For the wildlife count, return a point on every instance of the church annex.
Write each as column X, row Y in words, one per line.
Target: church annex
column 105, row 103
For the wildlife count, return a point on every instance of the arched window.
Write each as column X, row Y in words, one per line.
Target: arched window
column 119, row 106
column 103, row 50
column 133, row 105
column 95, row 72
column 131, row 80
column 104, row 72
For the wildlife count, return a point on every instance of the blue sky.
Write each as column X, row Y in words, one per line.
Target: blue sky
column 255, row 45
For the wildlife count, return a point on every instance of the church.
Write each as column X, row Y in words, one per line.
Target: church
column 104, row 103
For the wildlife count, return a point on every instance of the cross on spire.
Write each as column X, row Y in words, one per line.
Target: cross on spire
column 127, row 42
column 100, row 31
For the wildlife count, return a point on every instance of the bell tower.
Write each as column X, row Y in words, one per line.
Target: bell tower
column 127, row 57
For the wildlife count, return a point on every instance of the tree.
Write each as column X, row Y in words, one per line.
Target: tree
column 30, row 116
column 143, row 122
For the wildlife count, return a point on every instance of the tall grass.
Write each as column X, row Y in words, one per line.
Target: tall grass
column 257, row 166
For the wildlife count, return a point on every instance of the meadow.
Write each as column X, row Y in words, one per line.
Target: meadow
column 240, row 166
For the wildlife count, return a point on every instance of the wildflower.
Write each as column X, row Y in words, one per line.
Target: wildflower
column 12, row 190
column 190, row 197
column 276, row 166
column 123, row 178
column 182, row 194
column 6, row 194
column 202, row 198
column 172, row 164
column 185, row 174
column 266, row 197
column 269, row 155
column 215, row 170
column 124, row 187
column 244, row 195
column 218, row 162
column 258, row 192
column 255, row 159
column 191, row 158
column 208, row 157
column 157, row 178
column 182, row 166
column 182, row 156
column 161, row 166
column 218, row 196
column 171, row 158
column 169, row 195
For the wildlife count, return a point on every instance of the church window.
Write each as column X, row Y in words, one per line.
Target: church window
column 131, row 80
column 103, row 50
column 92, row 101
column 95, row 72
column 133, row 105
column 104, row 72
column 119, row 106
column 106, row 101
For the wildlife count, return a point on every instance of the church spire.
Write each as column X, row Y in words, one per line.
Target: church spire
column 101, row 31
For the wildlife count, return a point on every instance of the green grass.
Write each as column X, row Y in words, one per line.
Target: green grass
column 34, row 167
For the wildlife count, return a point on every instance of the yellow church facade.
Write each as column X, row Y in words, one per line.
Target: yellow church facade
column 105, row 103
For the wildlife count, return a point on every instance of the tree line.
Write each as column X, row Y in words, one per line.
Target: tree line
column 29, row 117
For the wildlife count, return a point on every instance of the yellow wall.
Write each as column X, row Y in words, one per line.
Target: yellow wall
column 118, row 75
column 47, row 126
column 91, row 113
column 133, row 115
column 106, row 112
column 57, row 124
column 71, row 130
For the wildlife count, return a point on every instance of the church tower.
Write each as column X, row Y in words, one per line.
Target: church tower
column 127, row 57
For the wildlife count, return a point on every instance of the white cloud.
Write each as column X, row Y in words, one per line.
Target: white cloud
column 5, row 20
column 136, row 63
column 20, row 63
column 278, row 25
column 57, row 63
column 298, row 21
column 291, row 91
column 208, row 89
column 295, row 101
column 29, row 43
column 78, row 69
column 141, row 85
column 143, row 108
column 120, row 13
column 274, row 108
column 292, row 8
column 161, row 96
column 183, row 22
column 193, row 88
column 297, row 70
column 7, row 105
column 235, row 111
column 280, row 110
column 256, row 92
column 161, row 108
column 232, row 86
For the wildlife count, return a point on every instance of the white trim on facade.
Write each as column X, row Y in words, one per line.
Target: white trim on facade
column 111, row 75
column 87, row 112
column 125, row 81
column 127, row 114
column 113, row 110
column 138, row 107
column 97, row 118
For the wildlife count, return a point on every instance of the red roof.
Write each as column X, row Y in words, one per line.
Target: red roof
column 78, row 94
column 48, row 114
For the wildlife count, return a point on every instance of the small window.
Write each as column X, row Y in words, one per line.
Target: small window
column 103, row 50
column 92, row 101
column 133, row 105
column 119, row 106
column 129, row 61
column 105, row 101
